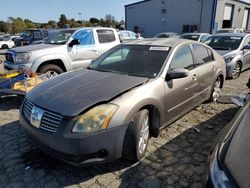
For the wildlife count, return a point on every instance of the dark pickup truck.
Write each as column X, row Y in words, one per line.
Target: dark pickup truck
column 33, row 36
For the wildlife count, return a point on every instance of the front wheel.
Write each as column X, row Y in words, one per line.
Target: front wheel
column 137, row 136
column 50, row 70
column 236, row 71
column 216, row 90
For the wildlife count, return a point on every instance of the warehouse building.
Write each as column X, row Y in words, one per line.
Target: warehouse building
column 150, row 17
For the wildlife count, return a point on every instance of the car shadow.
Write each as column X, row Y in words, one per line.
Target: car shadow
column 10, row 102
column 178, row 163
column 181, row 161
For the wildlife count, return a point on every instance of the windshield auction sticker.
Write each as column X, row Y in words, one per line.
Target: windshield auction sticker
column 159, row 48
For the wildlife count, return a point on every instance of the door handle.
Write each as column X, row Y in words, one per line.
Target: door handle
column 214, row 68
column 194, row 77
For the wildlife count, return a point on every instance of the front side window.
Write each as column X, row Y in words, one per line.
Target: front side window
column 134, row 60
column 247, row 41
column 105, row 36
column 182, row 59
column 202, row 54
column 37, row 35
column 85, row 37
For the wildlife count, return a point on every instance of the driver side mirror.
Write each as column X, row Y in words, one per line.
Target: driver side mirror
column 177, row 73
column 74, row 42
column 246, row 47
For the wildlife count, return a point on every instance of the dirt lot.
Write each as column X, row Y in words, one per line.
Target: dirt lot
column 176, row 159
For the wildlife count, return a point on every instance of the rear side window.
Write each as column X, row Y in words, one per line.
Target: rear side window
column 202, row 54
column 105, row 35
column 183, row 58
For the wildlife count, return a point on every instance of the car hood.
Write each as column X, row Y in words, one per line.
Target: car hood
column 226, row 53
column 34, row 47
column 71, row 93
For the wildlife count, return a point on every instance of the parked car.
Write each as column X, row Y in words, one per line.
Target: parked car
column 167, row 35
column 200, row 37
column 125, row 96
column 34, row 36
column 229, row 164
column 7, row 42
column 235, row 49
column 128, row 35
column 66, row 50
column 230, row 30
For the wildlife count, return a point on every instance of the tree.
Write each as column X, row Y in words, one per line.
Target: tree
column 94, row 21
column 18, row 25
column 29, row 24
column 52, row 23
column 62, row 21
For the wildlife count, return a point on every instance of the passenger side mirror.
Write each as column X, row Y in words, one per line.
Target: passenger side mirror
column 177, row 73
column 74, row 42
column 246, row 47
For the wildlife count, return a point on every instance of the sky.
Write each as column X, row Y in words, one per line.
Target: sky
column 45, row 10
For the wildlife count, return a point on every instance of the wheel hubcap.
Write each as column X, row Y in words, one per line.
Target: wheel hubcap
column 216, row 90
column 51, row 74
column 144, row 135
column 236, row 71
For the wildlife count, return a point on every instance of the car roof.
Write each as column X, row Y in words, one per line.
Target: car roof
column 170, row 42
column 195, row 33
column 231, row 34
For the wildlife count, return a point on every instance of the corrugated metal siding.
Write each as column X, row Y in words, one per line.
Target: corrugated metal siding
column 178, row 13
column 238, row 15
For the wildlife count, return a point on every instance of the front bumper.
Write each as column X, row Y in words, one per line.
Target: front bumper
column 12, row 66
column 77, row 148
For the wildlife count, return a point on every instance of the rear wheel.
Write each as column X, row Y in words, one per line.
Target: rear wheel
column 236, row 71
column 137, row 136
column 216, row 90
column 50, row 70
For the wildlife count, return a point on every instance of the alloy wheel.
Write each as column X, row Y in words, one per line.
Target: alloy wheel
column 216, row 89
column 236, row 71
column 51, row 74
column 144, row 135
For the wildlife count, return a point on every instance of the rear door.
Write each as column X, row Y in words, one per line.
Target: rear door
column 246, row 54
column 205, row 67
column 106, row 40
column 180, row 93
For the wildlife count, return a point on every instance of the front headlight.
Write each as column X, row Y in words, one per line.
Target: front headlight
column 95, row 119
column 228, row 59
column 22, row 57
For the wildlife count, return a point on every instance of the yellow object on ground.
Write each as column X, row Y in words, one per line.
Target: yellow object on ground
column 9, row 75
column 27, row 85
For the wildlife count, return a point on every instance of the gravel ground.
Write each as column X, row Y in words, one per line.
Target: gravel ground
column 176, row 159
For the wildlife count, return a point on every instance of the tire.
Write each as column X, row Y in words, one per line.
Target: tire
column 5, row 46
column 50, row 70
column 216, row 90
column 137, row 136
column 236, row 71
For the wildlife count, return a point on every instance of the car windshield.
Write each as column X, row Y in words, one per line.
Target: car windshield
column 224, row 42
column 59, row 37
column 134, row 60
column 191, row 37
column 5, row 38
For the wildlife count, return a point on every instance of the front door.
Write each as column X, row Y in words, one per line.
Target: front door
column 246, row 54
column 179, row 93
column 82, row 54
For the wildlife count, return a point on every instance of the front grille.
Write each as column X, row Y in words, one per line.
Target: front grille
column 50, row 120
column 9, row 57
